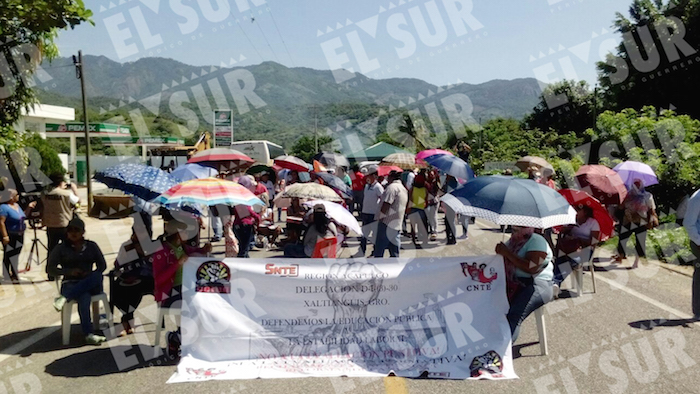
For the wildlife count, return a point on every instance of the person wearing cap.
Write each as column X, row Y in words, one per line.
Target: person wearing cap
column 390, row 217
column 321, row 228
column 81, row 263
column 372, row 196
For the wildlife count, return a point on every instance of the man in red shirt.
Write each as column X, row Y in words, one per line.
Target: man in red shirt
column 358, row 187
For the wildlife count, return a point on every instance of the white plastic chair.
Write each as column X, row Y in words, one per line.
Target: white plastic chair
column 66, row 314
column 541, row 330
column 577, row 278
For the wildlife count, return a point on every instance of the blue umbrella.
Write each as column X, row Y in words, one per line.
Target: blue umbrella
column 451, row 165
column 511, row 201
column 140, row 180
column 190, row 171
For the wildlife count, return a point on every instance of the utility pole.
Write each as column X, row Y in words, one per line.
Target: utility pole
column 315, row 128
column 595, row 107
column 80, row 74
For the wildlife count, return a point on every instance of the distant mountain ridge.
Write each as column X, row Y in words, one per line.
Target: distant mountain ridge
column 289, row 95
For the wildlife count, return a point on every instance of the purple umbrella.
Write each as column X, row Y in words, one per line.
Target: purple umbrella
column 631, row 170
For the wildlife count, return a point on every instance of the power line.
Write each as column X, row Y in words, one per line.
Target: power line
column 266, row 40
column 281, row 37
column 251, row 42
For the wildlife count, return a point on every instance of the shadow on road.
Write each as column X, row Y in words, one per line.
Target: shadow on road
column 648, row 325
column 517, row 348
column 102, row 361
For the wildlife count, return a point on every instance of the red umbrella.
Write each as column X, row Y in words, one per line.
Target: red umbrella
column 292, row 163
column 602, row 183
column 600, row 214
column 223, row 159
column 385, row 170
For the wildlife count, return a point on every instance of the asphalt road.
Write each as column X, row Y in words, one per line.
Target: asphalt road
column 630, row 336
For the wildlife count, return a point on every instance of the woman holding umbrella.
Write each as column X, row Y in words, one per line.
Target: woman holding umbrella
column 575, row 244
column 639, row 216
column 531, row 257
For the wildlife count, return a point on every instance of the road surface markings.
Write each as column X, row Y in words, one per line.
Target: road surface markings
column 647, row 299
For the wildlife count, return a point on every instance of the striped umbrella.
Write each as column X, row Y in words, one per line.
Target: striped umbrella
column 199, row 193
column 405, row 161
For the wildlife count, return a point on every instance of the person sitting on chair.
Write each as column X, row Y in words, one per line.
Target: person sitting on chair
column 575, row 244
column 528, row 265
column 74, row 260
column 322, row 228
column 133, row 278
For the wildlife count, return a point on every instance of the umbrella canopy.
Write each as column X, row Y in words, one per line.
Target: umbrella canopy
column 432, row 152
column 405, row 161
column 260, row 168
column 526, row 162
column 511, row 201
column 312, row 191
column 140, row 180
column 385, row 170
column 451, row 165
column 223, row 159
column 602, row 183
column 198, row 193
column 190, row 171
column 338, row 213
column 631, row 170
column 335, row 183
column 292, row 163
column 600, row 214
column 332, row 160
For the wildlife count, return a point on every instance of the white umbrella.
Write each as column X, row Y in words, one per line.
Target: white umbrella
column 338, row 213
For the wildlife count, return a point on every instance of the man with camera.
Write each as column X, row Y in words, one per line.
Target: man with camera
column 57, row 205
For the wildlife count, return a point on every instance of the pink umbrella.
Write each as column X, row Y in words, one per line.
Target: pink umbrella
column 431, row 152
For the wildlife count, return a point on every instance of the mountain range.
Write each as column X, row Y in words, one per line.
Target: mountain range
column 270, row 101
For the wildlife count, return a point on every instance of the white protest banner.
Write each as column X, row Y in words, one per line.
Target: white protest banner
column 283, row 318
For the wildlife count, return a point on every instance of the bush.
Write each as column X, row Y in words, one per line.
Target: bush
column 50, row 162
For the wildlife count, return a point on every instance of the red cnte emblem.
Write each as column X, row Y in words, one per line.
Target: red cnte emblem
column 477, row 273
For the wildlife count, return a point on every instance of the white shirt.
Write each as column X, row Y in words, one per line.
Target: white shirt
column 691, row 220
column 372, row 195
column 397, row 196
column 584, row 230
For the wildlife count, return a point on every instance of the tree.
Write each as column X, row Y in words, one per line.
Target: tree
column 656, row 62
column 28, row 30
column 305, row 147
column 575, row 113
column 408, row 134
column 667, row 142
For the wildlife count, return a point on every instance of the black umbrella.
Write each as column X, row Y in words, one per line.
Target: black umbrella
column 335, row 183
column 332, row 160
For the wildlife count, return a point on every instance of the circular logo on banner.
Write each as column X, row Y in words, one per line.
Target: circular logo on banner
column 213, row 277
